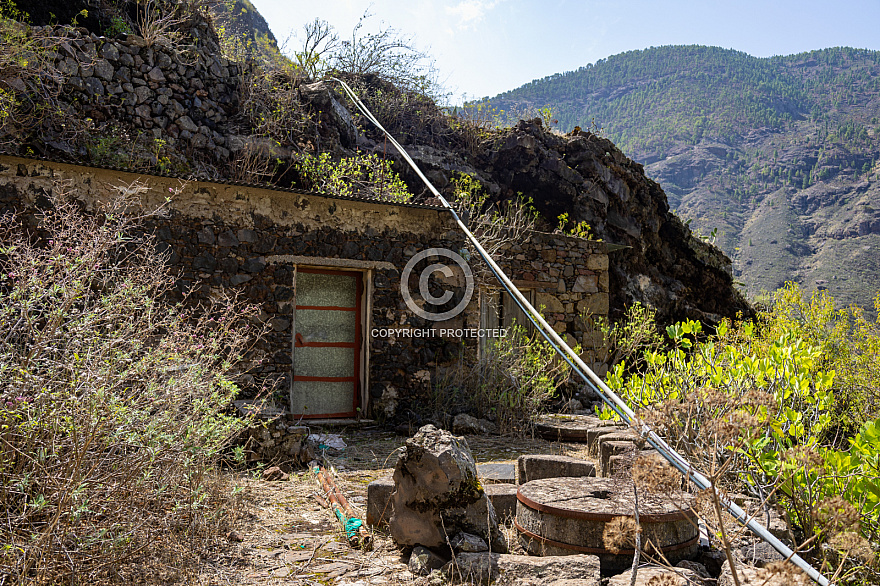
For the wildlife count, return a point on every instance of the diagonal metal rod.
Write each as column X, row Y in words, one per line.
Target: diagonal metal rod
column 591, row 378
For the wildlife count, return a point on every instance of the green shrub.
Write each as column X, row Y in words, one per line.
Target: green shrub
column 112, row 400
column 768, row 409
column 362, row 176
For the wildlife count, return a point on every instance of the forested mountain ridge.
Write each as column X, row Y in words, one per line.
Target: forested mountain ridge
column 774, row 157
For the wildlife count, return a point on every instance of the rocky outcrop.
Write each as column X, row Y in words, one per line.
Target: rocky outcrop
column 658, row 261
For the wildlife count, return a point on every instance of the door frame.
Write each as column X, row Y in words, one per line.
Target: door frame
column 358, row 344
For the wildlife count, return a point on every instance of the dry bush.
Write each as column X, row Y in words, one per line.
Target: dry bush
column 511, row 386
column 111, row 400
column 271, row 106
column 31, row 83
column 498, row 227
column 409, row 115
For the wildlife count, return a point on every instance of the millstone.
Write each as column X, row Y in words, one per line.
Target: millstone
column 572, row 428
column 565, row 516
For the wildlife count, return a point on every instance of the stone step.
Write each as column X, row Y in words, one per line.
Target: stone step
column 503, row 499
column 538, row 466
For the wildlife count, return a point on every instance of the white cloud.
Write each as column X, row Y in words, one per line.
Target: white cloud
column 471, row 12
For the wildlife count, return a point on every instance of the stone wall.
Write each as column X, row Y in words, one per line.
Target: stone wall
column 250, row 239
column 176, row 95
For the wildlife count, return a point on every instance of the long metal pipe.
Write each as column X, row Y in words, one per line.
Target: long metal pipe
column 590, row 377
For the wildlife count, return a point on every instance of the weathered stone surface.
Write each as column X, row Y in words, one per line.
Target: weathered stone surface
column 607, row 449
column 550, row 522
column 110, row 51
column 496, row 473
column 239, row 279
column 503, row 498
column 559, row 427
column 320, row 97
column 254, row 265
column 696, row 567
column 247, row 235
column 104, row 70
column 465, row 424
column 535, row 467
column 466, row 543
column 155, row 74
column 713, row 560
column 586, row 284
column 760, row 554
column 186, row 123
column 550, row 303
column 572, row 406
column 227, row 238
column 480, row 568
column 275, row 473
column 379, row 502
column 94, row 86
column 435, row 478
column 673, row 577
column 423, row 560
column 594, row 304
column 762, row 576
column 594, row 434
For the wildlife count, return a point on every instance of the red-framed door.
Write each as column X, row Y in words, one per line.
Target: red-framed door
column 327, row 343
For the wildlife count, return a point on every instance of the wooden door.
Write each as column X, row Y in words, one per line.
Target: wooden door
column 326, row 348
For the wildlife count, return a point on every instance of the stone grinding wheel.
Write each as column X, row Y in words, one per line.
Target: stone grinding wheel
column 565, row 516
column 558, row 427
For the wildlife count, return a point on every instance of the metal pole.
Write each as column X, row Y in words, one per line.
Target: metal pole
column 590, row 377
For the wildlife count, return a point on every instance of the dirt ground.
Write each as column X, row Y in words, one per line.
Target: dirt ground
column 286, row 537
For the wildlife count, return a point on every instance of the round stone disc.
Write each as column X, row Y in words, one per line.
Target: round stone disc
column 564, row 516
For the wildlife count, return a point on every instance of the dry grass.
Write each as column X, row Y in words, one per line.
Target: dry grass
column 287, row 537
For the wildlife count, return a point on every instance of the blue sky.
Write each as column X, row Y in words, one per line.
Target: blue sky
column 484, row 47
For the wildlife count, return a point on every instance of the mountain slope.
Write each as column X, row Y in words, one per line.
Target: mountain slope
column 777, row 158
column 242, row 25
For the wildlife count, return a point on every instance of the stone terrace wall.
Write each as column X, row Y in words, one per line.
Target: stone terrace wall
column 249, row 239
column 175, row 95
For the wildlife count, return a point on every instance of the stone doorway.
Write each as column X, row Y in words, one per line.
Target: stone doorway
column 326, row 343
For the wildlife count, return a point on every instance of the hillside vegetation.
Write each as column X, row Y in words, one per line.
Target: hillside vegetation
column 773, row 158
column 113, row 400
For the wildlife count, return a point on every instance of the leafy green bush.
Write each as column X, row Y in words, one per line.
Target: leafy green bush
column 112, row 400
column 760, row 408
column 363, row 176
column 849, row 345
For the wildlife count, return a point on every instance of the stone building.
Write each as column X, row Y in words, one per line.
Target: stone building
column 327, row 271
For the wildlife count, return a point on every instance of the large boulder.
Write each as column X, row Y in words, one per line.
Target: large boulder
column 437, row 493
